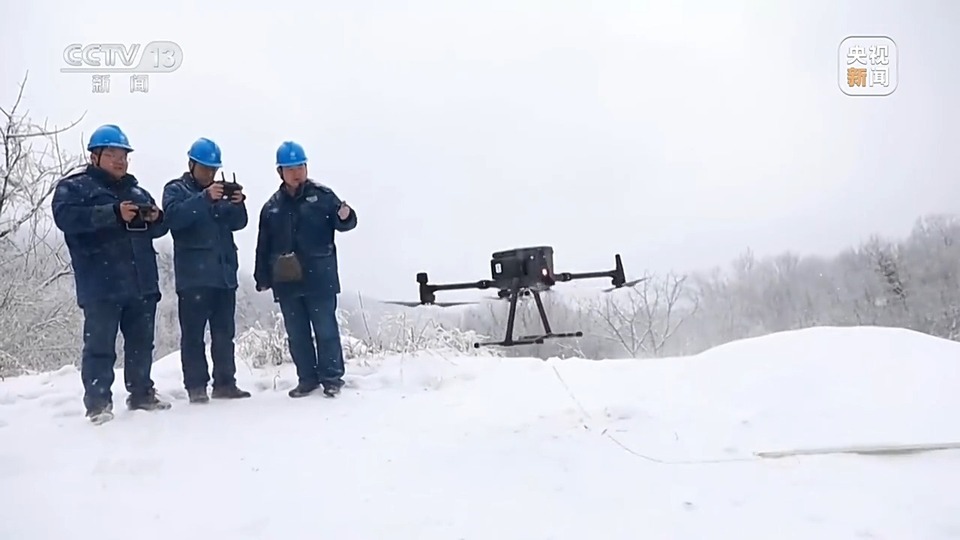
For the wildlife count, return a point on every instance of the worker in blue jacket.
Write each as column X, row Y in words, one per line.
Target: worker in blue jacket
column 109, row 224
column 202, row 218
column 296, row 257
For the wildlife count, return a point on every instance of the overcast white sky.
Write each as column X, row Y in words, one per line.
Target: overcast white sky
column 674, row 132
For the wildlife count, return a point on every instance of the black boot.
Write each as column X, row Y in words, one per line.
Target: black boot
column 332, row 389
column 229, row 392
column 198, row 395
column 148, row 402
column 303, row 390
column 100, row 415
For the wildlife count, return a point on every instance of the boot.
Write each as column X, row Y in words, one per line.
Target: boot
column 100, row 415
column 229, row 392
column 149, row 402
column 198, row 395
column 332, row 390
column 303, row 390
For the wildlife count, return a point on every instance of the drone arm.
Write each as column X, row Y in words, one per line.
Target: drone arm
column 616, row 274
column 570, row 276
column 482, row 284
column 427, row 290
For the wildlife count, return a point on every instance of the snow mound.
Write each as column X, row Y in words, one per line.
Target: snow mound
column 426, row 446
column 812, row 387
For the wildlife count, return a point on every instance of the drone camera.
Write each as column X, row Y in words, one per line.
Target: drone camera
column 526, row 265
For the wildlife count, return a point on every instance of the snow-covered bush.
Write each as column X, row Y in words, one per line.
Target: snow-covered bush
column 399, row 333
column 260, row 346
column 394, row 334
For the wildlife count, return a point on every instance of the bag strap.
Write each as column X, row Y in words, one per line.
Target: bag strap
column 292, row 228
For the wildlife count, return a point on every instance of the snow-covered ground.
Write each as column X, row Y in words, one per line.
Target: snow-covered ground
column 490, row 448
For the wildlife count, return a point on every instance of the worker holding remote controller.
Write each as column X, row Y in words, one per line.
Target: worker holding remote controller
column 109, row 222
column 202, row 214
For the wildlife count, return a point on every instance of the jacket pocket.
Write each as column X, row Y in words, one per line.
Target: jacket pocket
column 196, row 238
column 318, row 249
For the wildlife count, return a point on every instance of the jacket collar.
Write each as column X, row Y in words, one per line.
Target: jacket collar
column 191, row 182
column 103, row 178
column 301, row 191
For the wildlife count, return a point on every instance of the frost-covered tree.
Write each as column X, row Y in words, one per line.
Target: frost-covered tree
column 39, row 320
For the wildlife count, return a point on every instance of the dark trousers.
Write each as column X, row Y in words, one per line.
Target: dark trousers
column 318, row 361
column 196, row 308
column 136, row 321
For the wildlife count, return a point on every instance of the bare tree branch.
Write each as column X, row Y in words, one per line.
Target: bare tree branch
column 38, row 314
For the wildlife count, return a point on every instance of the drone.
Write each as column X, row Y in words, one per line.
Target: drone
column 520, row 272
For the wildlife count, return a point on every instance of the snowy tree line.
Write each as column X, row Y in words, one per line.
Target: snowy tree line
column 910, row 282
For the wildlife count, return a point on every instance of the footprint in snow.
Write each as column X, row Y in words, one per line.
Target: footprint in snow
column 270, row 385
column 620, row 412
column 432, row 383
column 128, row 466
column 33, row 394
column 283, row 385
column 58, row 400
column 68, row 413
column 262, row 386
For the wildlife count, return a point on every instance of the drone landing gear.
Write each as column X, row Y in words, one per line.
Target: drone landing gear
column 537, row 339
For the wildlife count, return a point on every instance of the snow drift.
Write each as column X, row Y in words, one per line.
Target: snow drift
column 428, row 446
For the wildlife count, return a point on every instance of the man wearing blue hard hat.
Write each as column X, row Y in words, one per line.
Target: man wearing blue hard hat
column 109, row 223
column 202, row 215
column 296, row 257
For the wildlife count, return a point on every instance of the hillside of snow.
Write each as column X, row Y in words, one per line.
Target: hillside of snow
column 432, row 447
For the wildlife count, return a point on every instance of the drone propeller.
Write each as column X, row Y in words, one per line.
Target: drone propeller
column 436, row 304
column 627, row 284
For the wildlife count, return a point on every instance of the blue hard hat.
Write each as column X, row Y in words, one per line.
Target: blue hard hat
column 110, row 136
column 290, row 154
column 205, row 152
